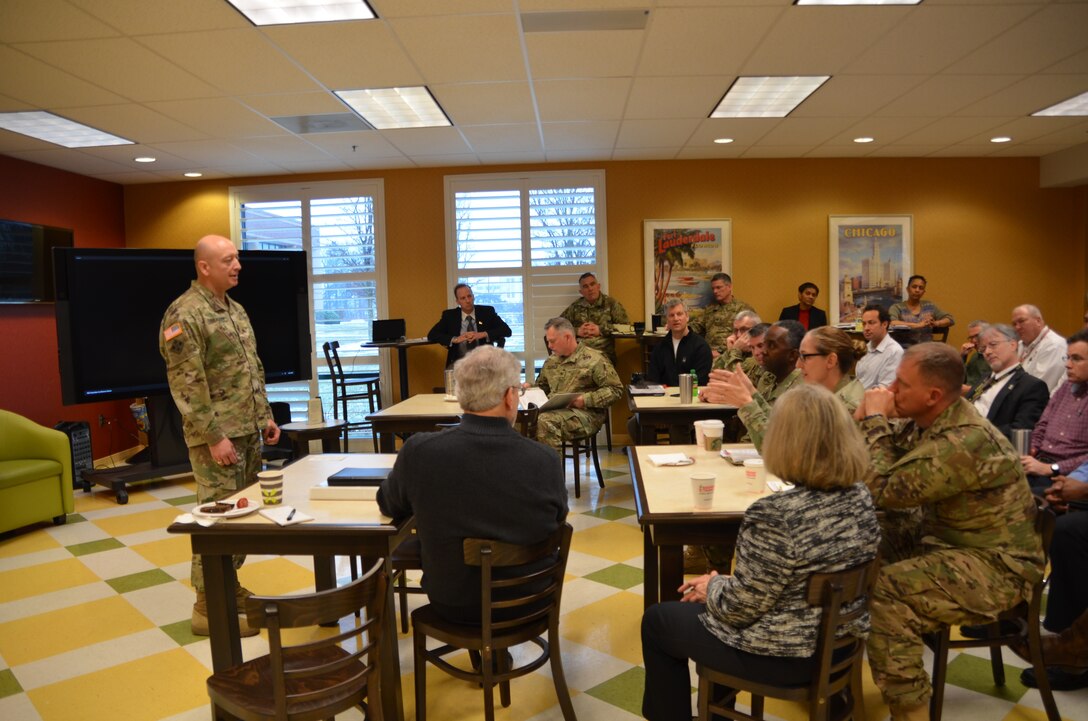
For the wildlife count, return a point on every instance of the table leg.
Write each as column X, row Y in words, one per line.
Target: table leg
column 390, row 700
column 220, row 579
column 649, row 568
column 331, row 443
column 402, row 357
column 387, row 442
column 672, row 572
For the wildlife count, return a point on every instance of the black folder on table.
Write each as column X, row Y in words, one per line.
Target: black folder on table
column 359, row 477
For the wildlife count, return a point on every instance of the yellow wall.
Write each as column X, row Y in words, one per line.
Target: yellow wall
column 986, row 236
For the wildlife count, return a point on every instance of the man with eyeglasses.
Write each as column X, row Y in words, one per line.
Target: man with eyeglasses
column 593, row 316
column 1009, row 397
column 975, row 365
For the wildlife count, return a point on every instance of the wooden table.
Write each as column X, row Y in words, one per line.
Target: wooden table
column 339, row 528
column 667, row 410
column 664, row 504
column 302, row 433
column 402, row 347
column 417, row 414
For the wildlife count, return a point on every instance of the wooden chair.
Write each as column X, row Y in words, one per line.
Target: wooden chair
column 314, row 679
column 527, row 420
column 843, row 598
column 515, row 609
column 352, row 387
column 578, row 447
column 1025, row 616
column 940, row 335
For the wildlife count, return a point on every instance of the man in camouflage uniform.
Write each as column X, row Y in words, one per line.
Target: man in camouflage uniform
column 715, row 323
column 781, row 348
column 593, row 316
column 574, row 368
column 975, row 552
column 217, row 382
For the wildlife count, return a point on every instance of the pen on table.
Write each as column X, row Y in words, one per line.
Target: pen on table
column 291, row 514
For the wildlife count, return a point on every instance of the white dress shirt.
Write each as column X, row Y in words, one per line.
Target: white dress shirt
column 1045, row 358
column 877, row 368
column 983, row 402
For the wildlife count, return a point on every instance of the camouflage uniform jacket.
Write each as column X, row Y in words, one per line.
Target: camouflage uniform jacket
column 715, row 323
column 755, row 414
column 215, row 376
column 584, row 371
column 606, row 311
column 850, row 392
column 731, row 359
column 968, row 480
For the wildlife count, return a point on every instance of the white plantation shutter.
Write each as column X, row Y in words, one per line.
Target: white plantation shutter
column 521, row 241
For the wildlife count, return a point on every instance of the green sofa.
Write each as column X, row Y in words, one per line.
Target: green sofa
column 35, row 473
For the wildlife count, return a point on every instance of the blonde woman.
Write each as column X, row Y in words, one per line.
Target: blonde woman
column 756, row 623
column 827, row 358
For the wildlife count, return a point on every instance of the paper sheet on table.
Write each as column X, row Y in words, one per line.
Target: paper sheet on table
column 670, row 459
column 279, row 515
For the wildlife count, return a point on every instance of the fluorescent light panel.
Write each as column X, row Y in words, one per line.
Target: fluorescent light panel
column 55, row 129
column 766, row 97
column 1077, row 106
column 291, row 12
column 857, row 2
column 388, row 108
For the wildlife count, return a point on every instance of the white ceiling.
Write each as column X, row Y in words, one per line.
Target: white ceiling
column 194, row 84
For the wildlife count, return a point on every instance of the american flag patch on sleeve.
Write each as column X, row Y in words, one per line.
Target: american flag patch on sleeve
column 172, row 332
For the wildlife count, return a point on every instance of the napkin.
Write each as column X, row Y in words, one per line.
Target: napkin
column 190, row 518
column 280, row 514
column 670, row 459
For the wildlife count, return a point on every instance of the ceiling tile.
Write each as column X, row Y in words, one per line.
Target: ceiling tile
column 206, row 153
column 862, row 94
column 1030, row 95
column 950, row 131
column 1050, row 35
column 352, row 147
column 42, row 86
column 602, row 54
column 676, row 97
column 427, row 141
column 645, row 153
column 137, row 123
column 66, row 159
column 277, row 105
column 512, row 158
column 704, row 41
column 219, row 117
column 853, row 150
column 655, row 133
column 524, row 137
column 579, row 136
column 434, row 161
column 145, row 17
column 1075, row 63
column 744, row 131
column 38, row 20
column 884, row 130
column 945, row 94
column 906, row 151
column 804, row 131
column 573, row 156
column 414, row 8
column 284, row 149
column 600, row 99
column 484, row 103
column 449, row 49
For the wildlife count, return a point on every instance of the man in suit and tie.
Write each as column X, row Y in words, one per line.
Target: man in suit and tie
column 469, row 325
column 1009, row 397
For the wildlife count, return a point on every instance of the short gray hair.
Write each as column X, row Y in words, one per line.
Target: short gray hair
column 672, row 303
column 561, row 325
column 483, row 376
column 748, row 315
column 1032, row 310
column 978, row 324
column 1005, row 331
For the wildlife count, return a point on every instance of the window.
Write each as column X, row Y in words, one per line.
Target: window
column 521, row 241
column 341, row 226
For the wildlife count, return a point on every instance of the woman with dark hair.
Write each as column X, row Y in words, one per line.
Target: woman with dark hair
column 757, row 623
column 922, row 316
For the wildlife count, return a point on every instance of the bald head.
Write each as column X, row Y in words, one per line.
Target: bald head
column 217, row 265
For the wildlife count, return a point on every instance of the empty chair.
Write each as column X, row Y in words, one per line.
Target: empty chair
column 515, row 609
column 314, row 679
column 352, row 387
column 282, row 450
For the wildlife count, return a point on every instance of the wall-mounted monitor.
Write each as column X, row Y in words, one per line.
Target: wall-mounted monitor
column 26, row 260
column 110, row 302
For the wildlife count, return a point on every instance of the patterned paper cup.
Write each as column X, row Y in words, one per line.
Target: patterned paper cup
column 271, row 487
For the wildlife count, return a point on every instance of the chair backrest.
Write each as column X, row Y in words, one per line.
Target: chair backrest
column 519, row 598
column 352, row 666
column 332, row 359
column 844, row 598
column 940, row 335
column 527, row 420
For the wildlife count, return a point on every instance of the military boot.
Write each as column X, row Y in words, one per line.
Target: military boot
column 1069, row 649
column 200, row 619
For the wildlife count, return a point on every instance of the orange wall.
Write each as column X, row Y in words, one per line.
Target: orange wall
column 986, row 236
column 29, row 371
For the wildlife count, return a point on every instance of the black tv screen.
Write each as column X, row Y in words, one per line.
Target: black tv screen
column 26, row 260
column 110, row 302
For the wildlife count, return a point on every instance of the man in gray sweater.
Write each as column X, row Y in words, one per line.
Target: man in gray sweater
column 481, row 479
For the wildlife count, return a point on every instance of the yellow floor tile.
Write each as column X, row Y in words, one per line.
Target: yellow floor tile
column 48, row 577
column 99, row 500
column 47, row 634
column 28, row 542
column 166, row 552
column 584, row 626
column 275, row 577
column 614, row 541
column 137, row 522
column 155, row 687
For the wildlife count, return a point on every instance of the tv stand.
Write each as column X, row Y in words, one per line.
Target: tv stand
column 119, row 477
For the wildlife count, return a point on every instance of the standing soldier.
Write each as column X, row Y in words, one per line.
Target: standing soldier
column 593, row 316
column 217, row 382
column 715, row 323
column 574, row 368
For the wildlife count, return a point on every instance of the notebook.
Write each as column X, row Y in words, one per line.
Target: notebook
column 387, row 331
column 359, row 477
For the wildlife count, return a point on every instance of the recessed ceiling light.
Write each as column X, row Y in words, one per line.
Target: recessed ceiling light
column 863, row 139
column 766, row 97
column 194, row 175
column 387, row 108
column 1001, row 139
column 723, row 141
column 55, row 129
column 288, row 12
column 857, row 2
column 1075, row 106
column 145, row 159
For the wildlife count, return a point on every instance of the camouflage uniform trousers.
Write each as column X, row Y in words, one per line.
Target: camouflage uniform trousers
column 554, row 427
column 214, row 481
column 920, row 594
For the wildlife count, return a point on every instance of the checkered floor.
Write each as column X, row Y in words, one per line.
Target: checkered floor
column 94, row 622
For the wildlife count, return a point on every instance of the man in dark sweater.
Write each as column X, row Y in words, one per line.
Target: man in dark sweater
column 479, row 480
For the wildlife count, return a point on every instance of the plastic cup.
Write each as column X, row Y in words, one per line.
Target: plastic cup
column 698, row 433
column 755, row 475
column 271, row 487
column 451, row 386
column 702, row 490
column 712, row 435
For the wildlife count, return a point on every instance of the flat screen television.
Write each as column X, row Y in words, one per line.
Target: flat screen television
column 110, row 301
column 26, row 260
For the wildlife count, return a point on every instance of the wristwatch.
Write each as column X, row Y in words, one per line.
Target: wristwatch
column 1054, row 470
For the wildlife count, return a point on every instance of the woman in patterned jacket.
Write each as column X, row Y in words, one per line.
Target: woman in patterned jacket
column 756, row 622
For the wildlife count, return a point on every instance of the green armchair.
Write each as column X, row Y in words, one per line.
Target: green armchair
column 35, row 473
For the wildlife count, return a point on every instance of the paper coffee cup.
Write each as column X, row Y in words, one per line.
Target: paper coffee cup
column 702, row 490
column 755, row 475
column 271, row 487
column 712, row 435
column 698, row 425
